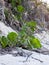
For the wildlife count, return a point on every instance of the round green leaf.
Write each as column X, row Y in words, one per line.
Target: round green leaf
column 35, row 43
column 20, row 8
column 4, row 41
column 12, row 36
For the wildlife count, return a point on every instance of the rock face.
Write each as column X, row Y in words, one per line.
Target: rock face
column 35, row 10
column 2, row 16
column 38, row 12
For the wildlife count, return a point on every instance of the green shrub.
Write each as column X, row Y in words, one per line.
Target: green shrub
column 4, row 41
column 22, row 38
column 26, row 36
column 32, row 25
column 10, row 40
column 20, row 8
column 12, row 36
column 35, row 43
column 13, row 3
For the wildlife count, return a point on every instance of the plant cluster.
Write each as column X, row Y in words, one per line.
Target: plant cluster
column 25, row 37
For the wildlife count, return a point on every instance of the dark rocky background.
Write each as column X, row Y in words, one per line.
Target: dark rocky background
column 34, row 10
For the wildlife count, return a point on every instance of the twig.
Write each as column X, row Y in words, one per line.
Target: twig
column 37, row 59
column 27, row 57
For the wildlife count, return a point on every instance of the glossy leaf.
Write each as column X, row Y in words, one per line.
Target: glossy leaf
column 4, row 41
column 20, row 8
column 12, row 36
column 32, row 25
column 35, row 43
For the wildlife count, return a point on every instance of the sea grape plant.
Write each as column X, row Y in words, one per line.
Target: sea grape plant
column 25, row 37
column 21, row 39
